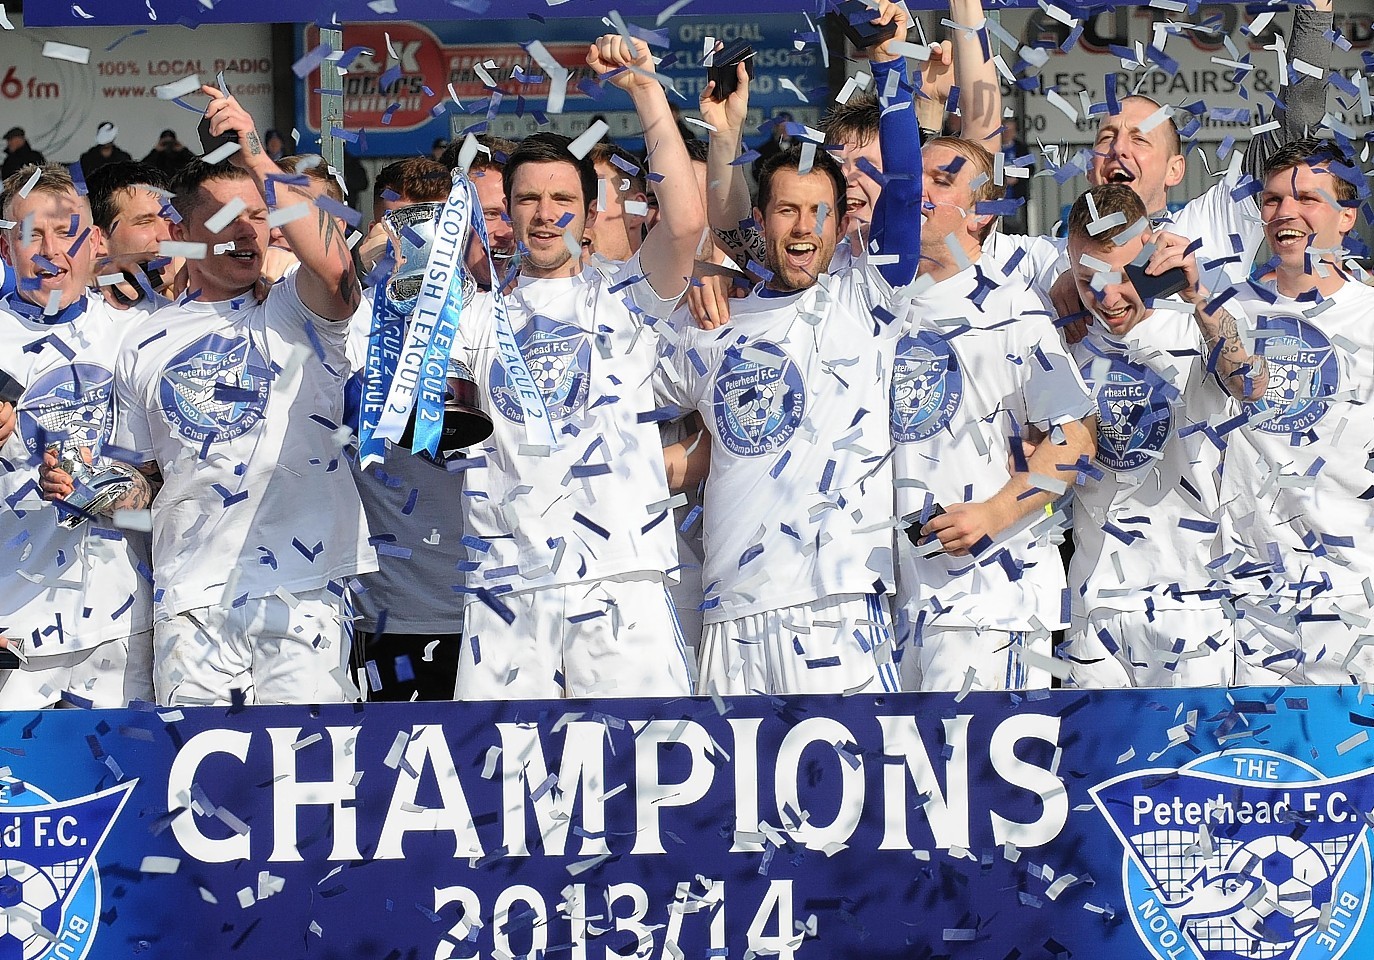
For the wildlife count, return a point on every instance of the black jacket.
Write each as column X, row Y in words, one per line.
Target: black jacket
column 18, row 159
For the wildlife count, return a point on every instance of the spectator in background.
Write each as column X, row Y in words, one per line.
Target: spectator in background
column 437, row 148
column 274, row 144
column 18, row 153
column 104, row 152
column 355, row 181
column 169, row 155
column 622, row 203
column 1018, row 188
column 485, row 171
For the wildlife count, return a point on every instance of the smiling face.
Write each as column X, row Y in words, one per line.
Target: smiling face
column 542, row 194
column 228, row 273
column 1299, row 211
column 48, row 262
column 862, row 193
column 1145, row 160
column 948, row 204
column 139, row 225
column 795, row 250
column 1116, row 305
column 491, row 195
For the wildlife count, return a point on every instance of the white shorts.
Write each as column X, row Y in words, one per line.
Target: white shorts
column 109, row 675
column 271, row 650
column 839, row 644
column 1173, row 647
column 600, row 638
column 939, row 660
column 1274, row 647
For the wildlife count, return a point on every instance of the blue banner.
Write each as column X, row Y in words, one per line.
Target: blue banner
column 433, row 80
column 1174, row 825
column 190, row 12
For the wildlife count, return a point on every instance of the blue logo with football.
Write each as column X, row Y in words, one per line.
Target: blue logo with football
column 1133, row 412
column 215, row 390
column 759, row 400
column 927, row 387
column 558, row 356
column 1303, row 373
column 66, row 403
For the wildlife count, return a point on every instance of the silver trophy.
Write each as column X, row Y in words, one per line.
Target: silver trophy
column 94, row 489
column 412, row 229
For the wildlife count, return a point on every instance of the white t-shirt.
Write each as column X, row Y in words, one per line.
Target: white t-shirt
column 1147, row 526
column 793, row 392
column 543, row 517
column 414, row 513
column 1037, row 261
column 1297, row 487
column 240, row 404
column 963, row 376
column 64, row 590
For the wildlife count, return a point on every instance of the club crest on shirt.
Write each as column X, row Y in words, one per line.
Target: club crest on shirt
column 559, row 358
column 759, row 399
column 215, row 390
column 1133, row 414
column 1303, row 372
column 66, row 403
column 927, row 387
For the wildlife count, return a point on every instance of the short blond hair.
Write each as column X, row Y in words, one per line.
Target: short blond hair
column 53, row 178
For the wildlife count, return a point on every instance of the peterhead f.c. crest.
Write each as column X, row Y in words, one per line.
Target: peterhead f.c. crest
column 215, row 390
column 1247, row 854
column 759, row 399
column 1133, row 413
column 559, row 357
column 50, row 897
column 1304, row 373
column 66, row 403
column 927, row 387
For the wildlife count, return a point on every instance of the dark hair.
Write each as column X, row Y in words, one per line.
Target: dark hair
column 186, row 195
column 1311, row 152
column 856, row 119
column 1107, row 199
column 103, row 186
column 494, row 157
column 546, row 147
column 697, row 150
column 790, row 159
column 602, row 152
column 417, row 179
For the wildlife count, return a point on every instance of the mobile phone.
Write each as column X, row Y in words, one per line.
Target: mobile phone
column 913, row 522
column 1156, row 287
column 209, row 143
column 855, row 18
column 11, row 390
column 723, row 70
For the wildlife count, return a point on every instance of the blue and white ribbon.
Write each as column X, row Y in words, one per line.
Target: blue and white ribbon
column 383, row 353
column 538, row 426
column 429, row 337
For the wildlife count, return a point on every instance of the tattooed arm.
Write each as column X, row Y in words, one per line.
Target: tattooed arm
column 57, row 484
column 1245, row 374
column 327, row 282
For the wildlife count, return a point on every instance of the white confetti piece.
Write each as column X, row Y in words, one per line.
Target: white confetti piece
column 222, row 152
column 284, row 215
column 584, row 142
column 66, row 51
column 183, row 249
column 177, row 88
column 225, row 215
column 159, row 865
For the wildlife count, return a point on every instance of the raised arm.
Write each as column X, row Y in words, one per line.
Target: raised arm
column 980, row 91
column 896, row 227
column 326, row 282
column 1302, row 102
column 727, row 191
column 669, row 251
